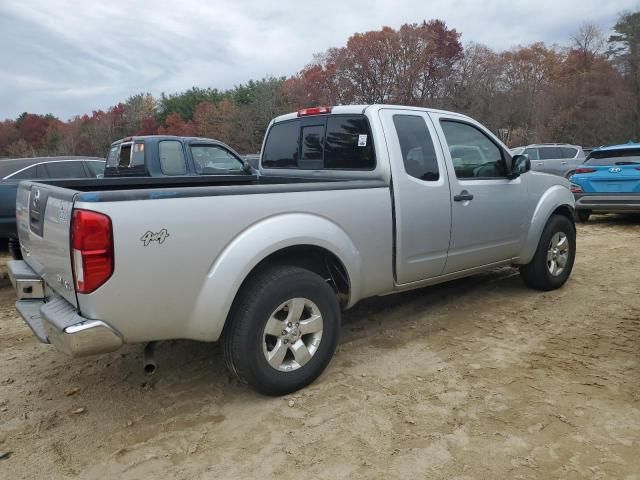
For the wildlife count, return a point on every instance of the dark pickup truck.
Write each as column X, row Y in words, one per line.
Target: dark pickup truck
column 170, row 156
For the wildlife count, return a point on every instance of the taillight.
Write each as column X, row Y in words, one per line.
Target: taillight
column 585, row 170
column 91, row 249
column 576, row 188
column 305, row 112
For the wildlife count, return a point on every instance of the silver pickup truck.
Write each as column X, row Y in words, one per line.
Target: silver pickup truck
column 351, row 202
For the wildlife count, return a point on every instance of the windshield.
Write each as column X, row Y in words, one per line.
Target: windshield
column 212, row 159
column 614, row 157
column 517, row 151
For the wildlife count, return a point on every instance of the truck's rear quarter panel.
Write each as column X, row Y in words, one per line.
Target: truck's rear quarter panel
column 162, row 290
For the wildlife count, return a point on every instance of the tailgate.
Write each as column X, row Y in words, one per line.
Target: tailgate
column 43, row 214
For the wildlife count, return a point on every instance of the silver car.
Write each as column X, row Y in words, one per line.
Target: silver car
column 556, row 158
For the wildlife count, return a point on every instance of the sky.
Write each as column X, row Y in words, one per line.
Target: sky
column 69, row 57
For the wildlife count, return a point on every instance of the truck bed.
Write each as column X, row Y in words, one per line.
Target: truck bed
column 143, row 188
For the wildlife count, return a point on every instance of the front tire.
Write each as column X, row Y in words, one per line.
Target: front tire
column 553, row 261
column 282, row 331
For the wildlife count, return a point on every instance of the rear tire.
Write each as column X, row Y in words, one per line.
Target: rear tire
column 553, row 261
column 583, row 215
column 277, row 311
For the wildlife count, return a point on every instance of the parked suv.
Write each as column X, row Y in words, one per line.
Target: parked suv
column 557, row 158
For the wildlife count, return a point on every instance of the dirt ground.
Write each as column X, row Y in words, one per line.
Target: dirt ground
column 480, row 378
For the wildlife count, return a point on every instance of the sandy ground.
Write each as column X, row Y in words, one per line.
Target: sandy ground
column 481, row 378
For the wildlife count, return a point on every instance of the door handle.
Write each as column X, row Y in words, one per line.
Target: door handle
column 463, row 196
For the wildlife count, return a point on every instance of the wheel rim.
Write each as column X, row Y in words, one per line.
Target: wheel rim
column 558, row 254
column 292, row 334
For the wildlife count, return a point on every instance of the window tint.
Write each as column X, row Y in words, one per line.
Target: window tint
column 568, row 152
column 65, row 170
column 41, row 171
column 25, row 174
column 550, row 153
column 418, row 153
column 348, row 143
column 533, row 153
column 172, row 158
column 96, row 168
column 211, row 159
column 344, row 144
column 474, row 155
column 311, row 155
column 281, row 148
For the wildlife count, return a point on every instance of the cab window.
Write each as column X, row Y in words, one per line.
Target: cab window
column 473, row 153
column 331, row 142
column 212, row 159
column 418, row 153
column 172, row 158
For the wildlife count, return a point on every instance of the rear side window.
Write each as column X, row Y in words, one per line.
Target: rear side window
column 281, row 148
column 312, row 148
column 334, row 142
column 172, row 158
column 66, row 170
column 348, row 144
column 550, row 153
column 25, row 174
column 418, row 153
column 568, row 152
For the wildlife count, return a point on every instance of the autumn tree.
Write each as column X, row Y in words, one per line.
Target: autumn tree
column 176, row 125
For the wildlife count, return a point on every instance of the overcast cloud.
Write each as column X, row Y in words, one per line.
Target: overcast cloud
column 70, row 57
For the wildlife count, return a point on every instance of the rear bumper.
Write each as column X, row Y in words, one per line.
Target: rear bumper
column 54, row 320
column 608, row 202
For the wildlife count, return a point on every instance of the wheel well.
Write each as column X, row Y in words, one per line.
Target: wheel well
column 565, row 211
column 316, row 259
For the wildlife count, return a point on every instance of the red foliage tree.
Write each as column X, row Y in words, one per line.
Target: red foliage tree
column 175, row 125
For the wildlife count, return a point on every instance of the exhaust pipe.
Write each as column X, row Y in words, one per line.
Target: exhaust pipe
column 149, row 359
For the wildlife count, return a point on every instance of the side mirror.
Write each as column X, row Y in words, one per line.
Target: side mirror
column 520, row 164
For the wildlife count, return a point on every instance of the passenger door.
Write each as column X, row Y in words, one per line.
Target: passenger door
column 489, row 211
column 422, row 199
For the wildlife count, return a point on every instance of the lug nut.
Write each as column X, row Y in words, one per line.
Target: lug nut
column 289, row 324
column 286, row 341
column 297, row 324
column 284, row 332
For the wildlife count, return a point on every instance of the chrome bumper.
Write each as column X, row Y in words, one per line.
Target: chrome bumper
column 54, row 320
column 608, row 202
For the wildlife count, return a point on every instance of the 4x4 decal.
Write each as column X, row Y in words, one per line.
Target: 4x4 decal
column 150, row 236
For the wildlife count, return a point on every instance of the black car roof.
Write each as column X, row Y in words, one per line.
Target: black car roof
column 12, row 165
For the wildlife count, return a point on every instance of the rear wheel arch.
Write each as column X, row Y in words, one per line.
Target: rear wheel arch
column 314, row 258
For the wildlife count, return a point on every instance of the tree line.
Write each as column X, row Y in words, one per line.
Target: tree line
column 587, row 92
